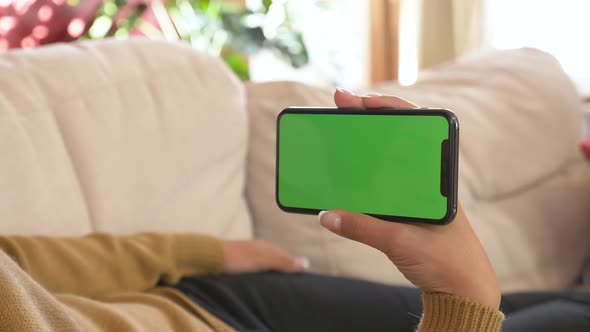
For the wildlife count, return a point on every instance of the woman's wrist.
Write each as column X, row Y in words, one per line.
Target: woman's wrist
column 473, row 278
column 485, row 292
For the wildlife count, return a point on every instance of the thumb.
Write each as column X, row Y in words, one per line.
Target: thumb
column 362, row 228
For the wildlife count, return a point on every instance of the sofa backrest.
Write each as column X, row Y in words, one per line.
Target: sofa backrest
column 121, row 137
column 523, row 180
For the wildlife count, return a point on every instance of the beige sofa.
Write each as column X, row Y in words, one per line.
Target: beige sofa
column 131, row 136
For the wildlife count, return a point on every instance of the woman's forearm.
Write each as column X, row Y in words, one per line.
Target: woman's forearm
column 100, row 264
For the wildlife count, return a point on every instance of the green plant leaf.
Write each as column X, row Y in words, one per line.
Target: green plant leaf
column 219, row 28
column 238, row 64
column 131, row 21
column 100, row 27
column 266, row 4
column 242, row 38
column 291, row 46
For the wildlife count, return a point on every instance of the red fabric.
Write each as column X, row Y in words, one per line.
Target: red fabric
column 586, row 148
column 30, row 23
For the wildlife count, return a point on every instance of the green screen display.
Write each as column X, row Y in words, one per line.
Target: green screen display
column 376, row 164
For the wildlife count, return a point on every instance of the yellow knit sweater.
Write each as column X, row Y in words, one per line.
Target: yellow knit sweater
column 109, row 283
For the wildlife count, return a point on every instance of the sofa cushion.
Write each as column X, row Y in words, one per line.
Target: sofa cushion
column 121, row 137
column 523, row 181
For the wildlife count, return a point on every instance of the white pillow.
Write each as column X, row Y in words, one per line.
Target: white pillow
column 523, row 181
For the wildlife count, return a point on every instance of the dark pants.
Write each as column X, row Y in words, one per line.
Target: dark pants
column 307, row 302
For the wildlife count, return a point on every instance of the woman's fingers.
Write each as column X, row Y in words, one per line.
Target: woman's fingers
column 288, row 264
column 257, row 256
column 362, row 228
column 373, row 101
column 278, row 259
column 346, row 99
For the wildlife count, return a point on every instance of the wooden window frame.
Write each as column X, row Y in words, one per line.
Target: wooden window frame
column 384, row 40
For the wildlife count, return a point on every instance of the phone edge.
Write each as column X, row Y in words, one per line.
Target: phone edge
column 452, row 203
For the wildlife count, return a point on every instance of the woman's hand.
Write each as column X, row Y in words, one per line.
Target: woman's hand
column 258, row 256
column 447, row 259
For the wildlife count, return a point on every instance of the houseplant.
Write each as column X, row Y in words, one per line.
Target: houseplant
column 221, row 28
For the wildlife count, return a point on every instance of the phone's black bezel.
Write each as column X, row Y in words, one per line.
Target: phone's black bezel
column 453, row 152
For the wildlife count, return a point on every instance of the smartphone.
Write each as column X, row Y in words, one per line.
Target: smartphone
column 393, row 164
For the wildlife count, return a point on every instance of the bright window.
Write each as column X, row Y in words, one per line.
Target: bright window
column 337, row 37
column 561, row 28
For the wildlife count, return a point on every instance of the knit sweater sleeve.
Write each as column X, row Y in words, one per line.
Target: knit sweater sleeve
column 102, row 264
column 449, row 313
column 26, row 306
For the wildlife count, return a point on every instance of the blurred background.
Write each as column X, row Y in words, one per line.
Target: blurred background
column 350, row 43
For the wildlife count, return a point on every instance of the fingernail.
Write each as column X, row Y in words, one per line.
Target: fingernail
column 302, row 262
column 330, row 220
column 342, row 90
column 372, row 94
